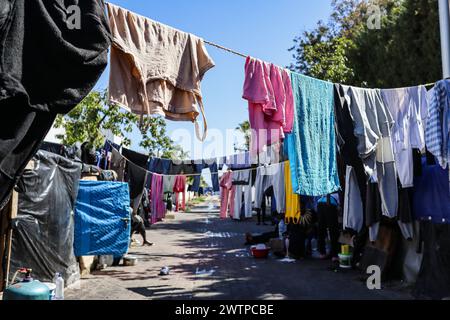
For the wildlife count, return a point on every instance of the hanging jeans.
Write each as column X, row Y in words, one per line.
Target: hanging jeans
column 227, row 194
column 212, row 165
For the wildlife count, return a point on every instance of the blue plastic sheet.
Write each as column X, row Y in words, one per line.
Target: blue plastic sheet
column 102, row 219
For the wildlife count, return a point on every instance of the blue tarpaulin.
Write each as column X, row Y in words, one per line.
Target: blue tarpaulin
column 102, row 219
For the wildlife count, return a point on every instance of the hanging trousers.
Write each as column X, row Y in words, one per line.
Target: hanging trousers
column 227, row 201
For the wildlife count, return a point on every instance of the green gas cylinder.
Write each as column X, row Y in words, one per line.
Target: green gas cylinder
column 27, row 289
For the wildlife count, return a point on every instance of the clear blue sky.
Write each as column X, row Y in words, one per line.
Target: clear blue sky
column 263, row 29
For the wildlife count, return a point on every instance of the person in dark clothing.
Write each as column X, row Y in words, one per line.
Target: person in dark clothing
column 298, row 233
column 138, row 226
column 265, row 237
column 327, row 215
column 261, row 238
column 261, row 213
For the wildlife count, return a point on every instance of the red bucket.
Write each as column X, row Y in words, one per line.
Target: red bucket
column 260, row 253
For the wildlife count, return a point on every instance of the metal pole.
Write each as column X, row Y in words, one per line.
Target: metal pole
column 444, row 22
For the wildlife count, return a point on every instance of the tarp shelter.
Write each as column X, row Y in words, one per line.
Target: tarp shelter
column 43, row 230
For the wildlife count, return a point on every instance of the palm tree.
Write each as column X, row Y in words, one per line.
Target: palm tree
column 244, row 128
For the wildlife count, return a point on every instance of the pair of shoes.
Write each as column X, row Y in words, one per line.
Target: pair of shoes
column 164, row 271
column 324, row 257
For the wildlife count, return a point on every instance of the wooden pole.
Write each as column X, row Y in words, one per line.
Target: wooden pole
column 8, row 213
column 4, row 214
column 12, row 215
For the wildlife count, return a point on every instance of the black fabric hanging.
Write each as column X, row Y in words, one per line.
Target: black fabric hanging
column 137, row 158
column 46, row 67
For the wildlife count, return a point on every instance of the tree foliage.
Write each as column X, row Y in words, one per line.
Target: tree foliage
column 95, row 115
column 244, row 128
column 405, row 50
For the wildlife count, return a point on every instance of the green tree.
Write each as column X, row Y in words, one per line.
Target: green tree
column 244, row 128
column 404, row 51
column 322, row 52
column 95, row 114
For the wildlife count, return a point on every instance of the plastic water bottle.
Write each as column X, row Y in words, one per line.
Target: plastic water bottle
column 59, row 291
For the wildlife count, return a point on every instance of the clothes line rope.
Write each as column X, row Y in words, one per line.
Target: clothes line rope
column 245, row 56
column 225, row 49
column 197, row 174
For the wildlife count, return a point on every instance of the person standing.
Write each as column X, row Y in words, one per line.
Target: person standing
column 327, row 214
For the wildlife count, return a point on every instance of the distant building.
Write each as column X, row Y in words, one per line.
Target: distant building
column 54, row 132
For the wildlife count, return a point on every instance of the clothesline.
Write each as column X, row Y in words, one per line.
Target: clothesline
column 203, row 159
column 245, row 56
column 225, row 49
column 196, row 174
column 232, row 51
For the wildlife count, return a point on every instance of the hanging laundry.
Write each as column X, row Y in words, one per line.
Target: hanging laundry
column 168, row 183
column 405, row 212
column 348, row 156
column 102, row 219
column 108, row 148
column 137, row 158
column 290, row 105
column 267, row 94
column 211, row 164
column 373, row 124
column 271, row 155
column 55, row 148
column 374, row 211
column 293, row 213
column 431, row 194
column 312, row 145
column 136, row 178
column 437, row 128
column 437, row 135
column 160, row 166
column 36, row 45
column 157, row 196
column 408, row 107
column 271, row 176
column 118, row 164
column 156, row 69
column 242, row 181
column 227, row 192
column 239, row 161
column 182, row 167
column 180, row 187
column 353, row 210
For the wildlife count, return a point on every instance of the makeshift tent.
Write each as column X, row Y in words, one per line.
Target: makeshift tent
column 44, row 228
